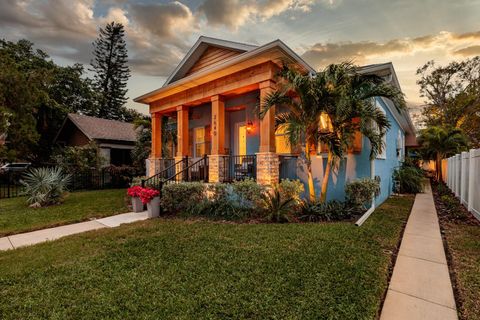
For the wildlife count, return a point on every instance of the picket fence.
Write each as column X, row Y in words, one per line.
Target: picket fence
column 462, row 176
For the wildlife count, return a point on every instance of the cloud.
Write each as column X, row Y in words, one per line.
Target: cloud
column 321, row 54
column 235, row 13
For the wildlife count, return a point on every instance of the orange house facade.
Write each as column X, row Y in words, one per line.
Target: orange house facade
column 214, row 94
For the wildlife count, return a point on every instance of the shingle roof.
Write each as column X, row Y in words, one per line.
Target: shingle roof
column 103, row 129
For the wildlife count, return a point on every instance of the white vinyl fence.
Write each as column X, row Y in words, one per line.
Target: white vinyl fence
column 462, row 176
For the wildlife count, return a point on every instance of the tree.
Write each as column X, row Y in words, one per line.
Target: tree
column 111, row 71
column 438, row 143
column 452, row 96
column 341, row 96
column 35, row 97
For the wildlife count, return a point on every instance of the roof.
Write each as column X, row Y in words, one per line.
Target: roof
column 402, row 116
column 250, row 51
column 102, row 129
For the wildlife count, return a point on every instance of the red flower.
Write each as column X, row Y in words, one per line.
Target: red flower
column 146, row 195
column 134, row 191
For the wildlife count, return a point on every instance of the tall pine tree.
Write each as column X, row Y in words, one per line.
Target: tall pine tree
column 111, row 71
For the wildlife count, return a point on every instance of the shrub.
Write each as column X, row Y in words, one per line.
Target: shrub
column 325, row 211
column 359, row 192
column 224, row 202
column 409, row 179
column 291, row 189
column 249, row 190
column 182, row 196
column 45, row 186
column 78, row 158
column 276, row 208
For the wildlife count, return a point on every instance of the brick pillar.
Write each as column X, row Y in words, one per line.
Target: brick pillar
column 216, row 168
column 268, row 168
column 268, row 163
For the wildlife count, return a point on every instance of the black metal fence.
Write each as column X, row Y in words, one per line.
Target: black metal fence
column 288, row 167
column 239, row 167
column 93, row 179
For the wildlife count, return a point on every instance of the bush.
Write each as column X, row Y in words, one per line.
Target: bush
column 325, row 211
column 249, row 190
column 45, row 186
column 409, row 179
column 291, row 189
column 137, row 181
column 276, row 208
column 224, row 202
column 182, row 196
column 78, row 158
column 359, row 192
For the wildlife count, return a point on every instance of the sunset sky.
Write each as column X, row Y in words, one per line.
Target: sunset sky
column 159, row 33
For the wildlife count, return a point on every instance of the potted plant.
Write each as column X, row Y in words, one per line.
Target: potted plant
column 135, row 192
column 151, row 198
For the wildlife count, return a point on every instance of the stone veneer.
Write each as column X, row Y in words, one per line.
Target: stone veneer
column 268, row 168
column 153, row 166
column 216, row 168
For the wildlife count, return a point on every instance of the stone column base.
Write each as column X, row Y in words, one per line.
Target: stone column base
column 153, row 166
column 179, row 167
column 216, row 168
column 268, row 168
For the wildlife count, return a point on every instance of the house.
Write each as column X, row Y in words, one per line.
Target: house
column 115, row 139
column 214, row 93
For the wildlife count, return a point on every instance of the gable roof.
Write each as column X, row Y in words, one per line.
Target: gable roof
column 189, row 80
column 196, row 51
column 387, row 71
column 102, row 129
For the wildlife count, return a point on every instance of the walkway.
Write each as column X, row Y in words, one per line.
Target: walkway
column 420, row 287
column 34, row 237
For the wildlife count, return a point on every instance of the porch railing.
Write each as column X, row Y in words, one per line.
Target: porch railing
column 288, row 167
column 239, row 167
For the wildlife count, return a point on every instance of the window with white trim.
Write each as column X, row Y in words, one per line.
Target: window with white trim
column 383, row 154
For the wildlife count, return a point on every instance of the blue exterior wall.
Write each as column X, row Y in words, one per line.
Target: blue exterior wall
column 355, row 166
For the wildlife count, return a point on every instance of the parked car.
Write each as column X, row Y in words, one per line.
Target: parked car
column 15, row 167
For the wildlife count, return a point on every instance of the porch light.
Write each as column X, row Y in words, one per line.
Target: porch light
column 249, row 126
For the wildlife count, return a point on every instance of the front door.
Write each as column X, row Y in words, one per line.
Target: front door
column 241, row 139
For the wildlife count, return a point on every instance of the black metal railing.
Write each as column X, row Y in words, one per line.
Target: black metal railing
column 288, row 167
column 10, row 185
column 169, row 171
column 239, row 167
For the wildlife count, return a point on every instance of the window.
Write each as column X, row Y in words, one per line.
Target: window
column 282, row 144
column 383, row 154
column 199, row 149
column 324, row 126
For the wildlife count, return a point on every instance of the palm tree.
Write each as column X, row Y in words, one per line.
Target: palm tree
column 438, row 143
column 342, row 97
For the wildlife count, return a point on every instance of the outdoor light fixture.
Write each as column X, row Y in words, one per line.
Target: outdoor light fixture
column 249, row 126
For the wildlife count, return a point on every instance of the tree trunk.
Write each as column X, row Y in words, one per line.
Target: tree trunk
column 326, row 176
column 439, row 167
column 311, row 187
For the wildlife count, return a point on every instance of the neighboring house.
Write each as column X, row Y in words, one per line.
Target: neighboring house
column 115, row 139
column 214, row 93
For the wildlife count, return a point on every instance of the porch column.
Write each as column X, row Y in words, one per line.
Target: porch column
column 156, row 152
column 216, row 165
column 267, row 160
column 182, row 131
column 182, row 137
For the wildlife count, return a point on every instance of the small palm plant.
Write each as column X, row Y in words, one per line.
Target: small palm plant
column 277, row 209
column 45, row 186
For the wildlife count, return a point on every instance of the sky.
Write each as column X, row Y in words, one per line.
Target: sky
column 159, row 33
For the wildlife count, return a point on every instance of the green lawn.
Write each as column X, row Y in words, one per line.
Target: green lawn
column 183, row 269
column 464, row 246
column 16, row 216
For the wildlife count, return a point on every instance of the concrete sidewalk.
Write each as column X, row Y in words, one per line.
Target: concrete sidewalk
column 34, row 237
column 420, row 287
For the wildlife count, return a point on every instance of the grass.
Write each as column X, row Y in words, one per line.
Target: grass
column 184, row 269
column 17, row 217
column 464, row 247
column 461, row 232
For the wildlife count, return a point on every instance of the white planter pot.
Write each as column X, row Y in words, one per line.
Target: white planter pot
column 137, row 204
column 153, row 207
